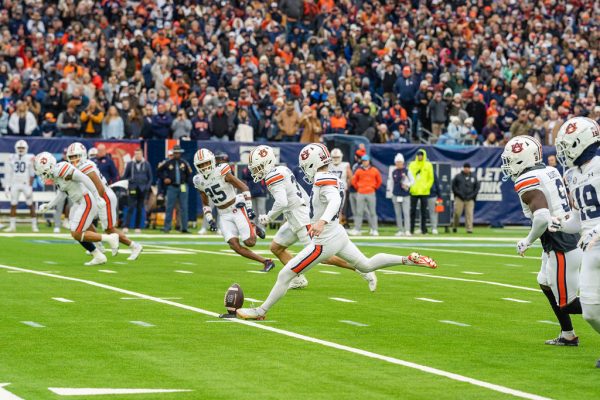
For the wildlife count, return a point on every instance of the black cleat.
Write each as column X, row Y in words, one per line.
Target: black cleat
column 269, row 265
column 260, row 232
column 561, row 341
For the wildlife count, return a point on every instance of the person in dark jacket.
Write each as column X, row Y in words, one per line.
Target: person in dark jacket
column 219, row 124
column 435, row 198
column 161, row 123
column 406, row 88
column 477, row 110
column 398, row 190
column 293, row 10
column 106, row 165
column 175, row 175
column 363, row 124
column 139, row 174
column 465, row 188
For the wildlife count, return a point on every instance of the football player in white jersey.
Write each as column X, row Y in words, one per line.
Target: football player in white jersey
column 19, row 179
column 343, row 170
column 218, row 183
column 577, row 143
column 329, row 237
column 543, row 196
column 86, row 201
column 77, row 156
column 292, row 201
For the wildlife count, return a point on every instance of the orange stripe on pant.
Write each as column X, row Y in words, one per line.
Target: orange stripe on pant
column 561, row 278
column 309, row 259
column 86, row 213
column 252, row 233
column 108, row 211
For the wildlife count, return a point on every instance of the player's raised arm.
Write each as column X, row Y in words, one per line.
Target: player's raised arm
column 243, row 189
column 541, row 217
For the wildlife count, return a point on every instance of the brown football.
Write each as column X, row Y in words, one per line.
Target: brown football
column 234, row 298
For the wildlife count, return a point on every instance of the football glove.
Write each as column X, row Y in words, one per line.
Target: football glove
column 589, row 239
column 264, row 219
column 43, row 208
column 555, row 225
column 251, row 213
column 212, row 225
column 101, row 203
column 522, row 247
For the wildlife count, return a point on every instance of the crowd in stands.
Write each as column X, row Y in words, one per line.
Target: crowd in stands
column 451, row 72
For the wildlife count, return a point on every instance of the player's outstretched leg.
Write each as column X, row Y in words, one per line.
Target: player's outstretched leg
column 235, row 245
column 281, row 252
column 99, row 257
column 355, row 257
column 90, row 236
column 567, row 335
column 135, row 247
column 370, row 277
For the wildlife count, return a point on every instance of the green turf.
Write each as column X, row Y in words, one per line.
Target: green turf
column 91, row 342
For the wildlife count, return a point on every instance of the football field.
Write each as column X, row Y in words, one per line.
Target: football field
column 472, row 329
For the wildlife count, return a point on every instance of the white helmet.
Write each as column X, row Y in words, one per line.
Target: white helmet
column 92, row 152
column 44, row 164
column 76, row 153
column 520, row 153
column 204, row 161
column 21, row 147
column 336, row 156
column 311, row 158
column 574, row 136
column 262, row 160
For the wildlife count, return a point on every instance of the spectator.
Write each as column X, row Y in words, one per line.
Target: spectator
column 219, row 124
column 522, row 126
column 267, row 128
column 200, row 126
column 433, row 201
column 477, row 110
column 48, row 127
column 491, row 127
column 106, row 165
column 161, row 123
column 491, row 140
column 181, row 126
column 465, row 188
column 454, row 134
column 551, row 127
column 437, row 113
column 366, row 180
column 69, row 123
column 22, row 122
column 406, row 89
column 338, row 121
column 175, row 175
column 113, row 126
column 134, row 124
column 92, row 120
column 422, row 171
column 244, row 131
column 139, row 174
column 310, row 125
column 398, row 190
column 3, row 122
column 288, row 122
column 363, row 124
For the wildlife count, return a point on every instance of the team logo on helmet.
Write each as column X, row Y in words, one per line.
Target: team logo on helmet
column 517, row 147
column 571, row 128
column 304, row 154
column 43, row 160
column 262, row 153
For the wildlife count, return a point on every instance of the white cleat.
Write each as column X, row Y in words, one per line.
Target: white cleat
column 374, row 232
column 251, row 313
column 434, row 231
column 98, row 259
column 136, row 249
column 299, row 282
column 57, row 230
column 113, row 242
column 371, row 278
column 202, row 231
column 399, row 233
column 354, row 232
column 407, row 233
column 424, row 261
column 35, row 229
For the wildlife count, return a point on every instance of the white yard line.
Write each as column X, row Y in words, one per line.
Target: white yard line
column 254, row 300
column 329, row 272
column 549, row 322
column 325, row 343
column 6, row 395
column 429, row 300
column 255, row 271
column 515, row 300
column 162, row 298
column 452, row 278
column 105, row 391
column 62, row 300
column 142, row 323
column 219, row 253
column 33, row 324
column 179, row 271
column 352, row 323
column 445, row 321
column 107, row 271
column 342, row 300
column 472, row 273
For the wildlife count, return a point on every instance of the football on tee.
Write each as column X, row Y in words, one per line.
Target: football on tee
column 234, row 298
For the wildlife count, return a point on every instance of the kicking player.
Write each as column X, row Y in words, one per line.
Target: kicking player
column 577, row 142
column 292, row 201
column 330, row 237
column 235, row 211
column 344, row 172
column 19, row 179
column 86, row 202
column 543, row 196
column 77, row 156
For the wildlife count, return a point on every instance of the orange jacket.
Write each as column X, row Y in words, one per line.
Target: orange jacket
column 366, row 181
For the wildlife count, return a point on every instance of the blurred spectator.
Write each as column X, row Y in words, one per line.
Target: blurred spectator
column 175, row 175
column 454, row 134
column 181, row 126
column 112, row 125
column 338, row 120
column 106, row 165
column 3, row 122
column 219, row 124
column 398, row 190
column 139, row 174
column 422, row 171
column 491, row 127
column 48, row 127
column 477, row 111
column 465, row 188
column 491, row 140
column 406, row 89
column 363, row 124
column 69, row 123
column 22, row 122
column 134, row 124
column 288, row 122
column 436, row 110
column 92, row 118
column 522, row 126
column 433, row 201
column 161, row 123
column 200, row 126
column 366, row 180
column 244, row 131
column 310, row 125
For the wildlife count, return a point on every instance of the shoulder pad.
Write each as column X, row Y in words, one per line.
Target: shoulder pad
column 326, row 179
column 527, row 182
column 87, row 167
column 278, row 174
column 62, row 169
column 197, row 180
column 223, row 169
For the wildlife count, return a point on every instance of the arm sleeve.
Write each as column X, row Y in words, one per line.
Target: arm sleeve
column 82, row 178
column 334, row 201
column 281, row 201
column 571, row 222
column 541, row 220
column 60, row 196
